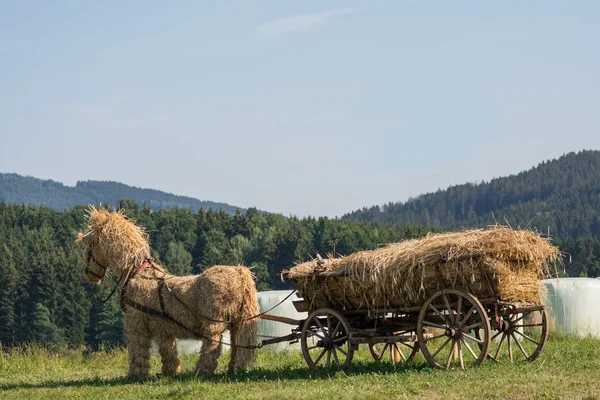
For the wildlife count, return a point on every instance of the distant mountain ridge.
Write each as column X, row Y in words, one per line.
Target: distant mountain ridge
column 561, row 195
column 17, row 189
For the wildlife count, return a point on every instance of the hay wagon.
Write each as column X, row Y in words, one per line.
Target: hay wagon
column 458, row 317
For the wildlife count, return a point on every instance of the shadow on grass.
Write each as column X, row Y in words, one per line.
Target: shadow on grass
column 253, row 375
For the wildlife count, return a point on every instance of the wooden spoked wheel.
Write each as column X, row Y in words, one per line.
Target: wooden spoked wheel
column 452, row 317
column 520, row 337
column 325, row 340
column 394, row 352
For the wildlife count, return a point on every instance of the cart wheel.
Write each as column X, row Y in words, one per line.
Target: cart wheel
column 325, row 340
column 520, row 337
column 394, row 352
column 454, row 315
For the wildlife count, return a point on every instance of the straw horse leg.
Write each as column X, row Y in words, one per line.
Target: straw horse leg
column 242, row 334
column 209, row 354
column 168, row 353
column 138, row 345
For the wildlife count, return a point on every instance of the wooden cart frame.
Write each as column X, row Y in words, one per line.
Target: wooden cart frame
column 452, row 328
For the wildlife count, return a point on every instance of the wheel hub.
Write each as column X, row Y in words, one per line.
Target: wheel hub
column 451, row 332
column 504, row 325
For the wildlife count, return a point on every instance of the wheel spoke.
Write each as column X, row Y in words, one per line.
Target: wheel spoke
column 473, row 338
column 442, row 316
column 328, row 358
column 335, row 357
column 510, row 356
column 468, row 315
column 434, row 325
column 520, row 318
column 528, row 338
column 321, row 326
column 320, row 356
column 470, row 349
column 520, row 346
column 434, row 337
column 408, row 345
column 450, row 355
column 341, row 350
column 398, row 351
column 460, row 356
column 468, row 328
column 450, row 313
column 312, row 333
column 499, row 345
column 312, row 347
column 336, row 328
column 382, row 354
column 495, row 336
column 459, row 308
column 340, row 339
column 438, row 350
column 329, row 325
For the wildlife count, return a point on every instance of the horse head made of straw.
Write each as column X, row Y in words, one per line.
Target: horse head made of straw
column 111, row 240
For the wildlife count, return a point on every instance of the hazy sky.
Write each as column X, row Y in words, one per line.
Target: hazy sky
column 299, row 107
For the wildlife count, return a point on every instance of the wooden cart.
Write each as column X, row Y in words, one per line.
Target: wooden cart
column 460, row 325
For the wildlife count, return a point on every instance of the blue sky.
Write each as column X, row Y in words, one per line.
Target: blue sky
column 305, row 108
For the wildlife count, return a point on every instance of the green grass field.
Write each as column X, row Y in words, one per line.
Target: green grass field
column 568, row 368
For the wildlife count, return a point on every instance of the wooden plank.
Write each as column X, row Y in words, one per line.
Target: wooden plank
column 382, row 339
column 284, row 320
column 524, row 309
column 301, row 305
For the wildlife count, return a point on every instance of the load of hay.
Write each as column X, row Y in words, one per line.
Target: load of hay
column 496, row 262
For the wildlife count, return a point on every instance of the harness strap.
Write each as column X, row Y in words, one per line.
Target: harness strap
column 89, row 271
column 162, row 314
column 161, row 298
column 230, row 321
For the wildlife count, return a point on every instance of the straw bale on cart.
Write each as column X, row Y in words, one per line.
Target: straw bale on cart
column 505, row 262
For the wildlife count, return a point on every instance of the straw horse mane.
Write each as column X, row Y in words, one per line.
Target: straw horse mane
column 164, row 307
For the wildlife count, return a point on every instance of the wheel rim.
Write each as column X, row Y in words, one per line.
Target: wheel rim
column 394, row 352
column 452, row 317
column 519, row 337
column 325, row 340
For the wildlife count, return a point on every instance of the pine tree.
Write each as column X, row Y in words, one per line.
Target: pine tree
column 178, row 260
column 8, row 286
column 43, row 330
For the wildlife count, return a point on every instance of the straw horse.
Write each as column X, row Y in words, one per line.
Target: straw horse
column 163, row 307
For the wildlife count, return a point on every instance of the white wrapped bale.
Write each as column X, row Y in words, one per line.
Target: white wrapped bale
column 267, row 300
column 573, row 305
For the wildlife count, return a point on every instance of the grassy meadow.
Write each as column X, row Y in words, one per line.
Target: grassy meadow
column 568, row 368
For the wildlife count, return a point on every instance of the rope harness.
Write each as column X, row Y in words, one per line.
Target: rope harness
column 162, row 313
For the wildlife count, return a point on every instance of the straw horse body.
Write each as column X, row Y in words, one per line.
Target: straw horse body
column 163, row 307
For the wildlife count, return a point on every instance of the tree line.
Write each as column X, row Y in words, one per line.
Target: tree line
column 44, row 297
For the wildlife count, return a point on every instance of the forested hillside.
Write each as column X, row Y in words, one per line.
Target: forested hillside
column 17, row 189
column 44, row 298
column 562, row 196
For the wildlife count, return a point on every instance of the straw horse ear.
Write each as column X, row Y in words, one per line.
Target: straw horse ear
column 80, row 237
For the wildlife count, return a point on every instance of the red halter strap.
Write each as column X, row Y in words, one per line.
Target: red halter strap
column 137, row 271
